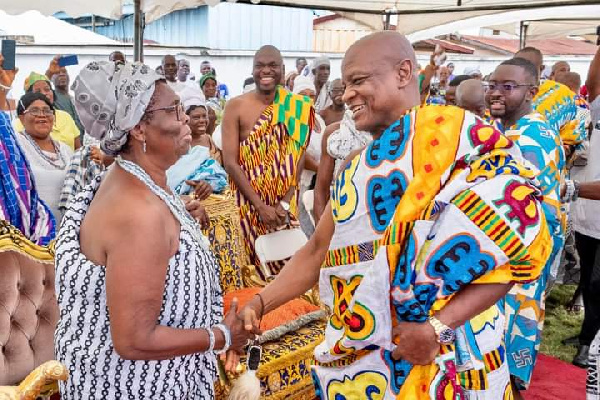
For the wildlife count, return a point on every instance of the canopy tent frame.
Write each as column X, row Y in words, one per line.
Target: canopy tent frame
column 139, row 15
column 524, row 26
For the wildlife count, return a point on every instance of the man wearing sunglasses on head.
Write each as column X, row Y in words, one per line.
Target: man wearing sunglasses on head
column 511, row 90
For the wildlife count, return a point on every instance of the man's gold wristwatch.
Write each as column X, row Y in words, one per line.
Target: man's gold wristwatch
column 445, row 334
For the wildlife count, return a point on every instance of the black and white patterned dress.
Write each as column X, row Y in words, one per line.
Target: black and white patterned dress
column 192, row 299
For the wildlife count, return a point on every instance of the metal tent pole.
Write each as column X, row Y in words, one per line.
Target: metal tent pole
column 138, row 31
column 523, row 34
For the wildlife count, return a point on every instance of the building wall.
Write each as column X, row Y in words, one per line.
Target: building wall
column 226, row 26
column 232, row 67
column 336, row 35
column 248, row 27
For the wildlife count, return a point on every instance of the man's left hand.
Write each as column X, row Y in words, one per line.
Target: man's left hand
column 416, row 343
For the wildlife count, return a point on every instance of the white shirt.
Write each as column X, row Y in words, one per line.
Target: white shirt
column 586, row 213
column 177, row 87
column 48, row 179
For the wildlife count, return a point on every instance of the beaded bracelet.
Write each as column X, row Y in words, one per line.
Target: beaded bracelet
column 211, row 340
column 226, row 335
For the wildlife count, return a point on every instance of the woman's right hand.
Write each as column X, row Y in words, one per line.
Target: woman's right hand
column 239, row 334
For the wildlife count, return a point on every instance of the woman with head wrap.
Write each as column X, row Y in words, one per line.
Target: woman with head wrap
column 138, row 287
column 64, row 128
column 320, row 71
column 47, row 157
column 200, row 168
column 209, row 85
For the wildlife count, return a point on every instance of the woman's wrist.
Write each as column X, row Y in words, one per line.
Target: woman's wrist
column 223, row 331
column 219, row 339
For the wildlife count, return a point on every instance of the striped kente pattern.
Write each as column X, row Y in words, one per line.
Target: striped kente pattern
column 493, row 225
column 269, row 158
column 477, row 379
column 352, row 254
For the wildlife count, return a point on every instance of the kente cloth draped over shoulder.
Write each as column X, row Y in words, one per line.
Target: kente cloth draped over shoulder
column 20, row 204
column 524, row 305
column 557, row 103
column 397, row 230
column 269, row 157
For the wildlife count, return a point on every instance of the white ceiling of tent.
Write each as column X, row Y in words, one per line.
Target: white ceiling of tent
column 509, row 21
column 554, row 28
column 449, row 10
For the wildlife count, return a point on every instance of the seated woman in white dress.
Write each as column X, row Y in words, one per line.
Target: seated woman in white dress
column 47, row 157
column 138, row 287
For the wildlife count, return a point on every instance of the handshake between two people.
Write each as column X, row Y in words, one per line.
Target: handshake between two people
column 416, row 342
column 244, row 326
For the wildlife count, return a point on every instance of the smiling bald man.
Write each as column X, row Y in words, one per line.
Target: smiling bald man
column 428, row 227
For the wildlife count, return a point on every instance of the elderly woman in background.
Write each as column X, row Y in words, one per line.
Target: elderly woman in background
column 199, row 172
column 64, row 128
column 20, row 204
column 138, row 287
column 47, row 157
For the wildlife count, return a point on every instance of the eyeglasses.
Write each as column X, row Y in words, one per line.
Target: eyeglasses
column 336, row 91
column 505, row 87
column 177, row 108
column 40, row 112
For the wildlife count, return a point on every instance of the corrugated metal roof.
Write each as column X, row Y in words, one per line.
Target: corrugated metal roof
column 546, row 46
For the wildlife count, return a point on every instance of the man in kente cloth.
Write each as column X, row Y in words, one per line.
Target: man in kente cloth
column 512, row 88
column 265, row 134
column 428, row 227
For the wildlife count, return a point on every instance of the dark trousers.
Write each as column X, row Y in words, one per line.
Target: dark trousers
column 589, row 259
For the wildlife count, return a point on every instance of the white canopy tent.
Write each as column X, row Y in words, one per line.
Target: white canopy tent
column 40, row 29
column 413, row 16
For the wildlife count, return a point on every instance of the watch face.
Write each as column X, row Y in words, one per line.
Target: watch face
column 447, row 336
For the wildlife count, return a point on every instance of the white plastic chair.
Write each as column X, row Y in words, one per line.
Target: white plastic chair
column 308, row 199
column 279, row 245
column 217, row 137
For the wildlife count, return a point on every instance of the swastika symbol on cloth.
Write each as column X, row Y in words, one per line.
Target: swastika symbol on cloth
column 522, row 358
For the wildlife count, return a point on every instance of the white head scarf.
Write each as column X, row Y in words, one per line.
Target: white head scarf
column 192, row 97
column 302, row 83
column 111, row 99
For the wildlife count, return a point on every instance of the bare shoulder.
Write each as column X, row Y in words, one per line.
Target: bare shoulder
column 124, row 207
column 236, row 102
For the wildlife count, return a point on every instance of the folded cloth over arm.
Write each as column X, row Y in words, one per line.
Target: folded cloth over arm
column 196, row 166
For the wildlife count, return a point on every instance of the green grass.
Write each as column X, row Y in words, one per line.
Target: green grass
column 560, row 324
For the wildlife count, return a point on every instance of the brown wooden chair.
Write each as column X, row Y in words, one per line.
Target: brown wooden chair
column 284, row 371
column 28, row 317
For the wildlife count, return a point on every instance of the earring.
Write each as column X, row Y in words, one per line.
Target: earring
column 144, row 146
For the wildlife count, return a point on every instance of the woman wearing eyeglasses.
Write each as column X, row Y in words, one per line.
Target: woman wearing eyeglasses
column 64, row 128
column 48, row 158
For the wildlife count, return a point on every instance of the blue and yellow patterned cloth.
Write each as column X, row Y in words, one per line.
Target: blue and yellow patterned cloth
column 524, row 304
column 438, row 202
column 557, row 103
